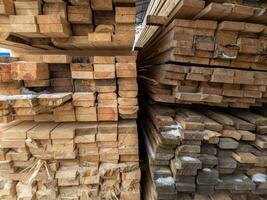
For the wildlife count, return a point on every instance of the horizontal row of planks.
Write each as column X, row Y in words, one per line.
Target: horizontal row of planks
column 206, row 42
column 163, row 13
column 178, row 83
column 204, row 151
column 69, row 160
column 38, row 25
column 98, row 88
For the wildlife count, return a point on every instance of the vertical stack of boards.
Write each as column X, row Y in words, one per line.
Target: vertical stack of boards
column 69, row 99
column 202, row 69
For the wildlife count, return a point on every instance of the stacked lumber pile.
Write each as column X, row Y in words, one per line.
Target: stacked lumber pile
column 163, row 13
column 213, row 55
column 179, row 83
column 208, row 54
column 207, row 50
column 67, row 24
column 71, row 97
column 203, row 150
column 207, row 42
column 66, row 89
column 70, row 160
column 74, row 134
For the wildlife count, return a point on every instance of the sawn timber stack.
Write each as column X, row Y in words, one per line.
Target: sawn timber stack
column 74, row 127
column 202, row 74
column 70, row 97
column 66, row 89
column 212, row 60
column 69, row 25
column 204, row 151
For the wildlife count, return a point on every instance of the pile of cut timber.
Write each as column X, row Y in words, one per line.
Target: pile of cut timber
column 229, row 65
column 70, row 97
column 206, row 42
column 209, row 57
column 203, row 150
column 180, row 83
column 67, row 24
column 96, row 88
column 215, row 56
column 163, row 13
column 202, row 69
column 69, row 160
column 76, row 117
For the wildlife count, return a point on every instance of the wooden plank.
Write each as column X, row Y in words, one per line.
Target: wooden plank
column 42, row 131
column 54, row 99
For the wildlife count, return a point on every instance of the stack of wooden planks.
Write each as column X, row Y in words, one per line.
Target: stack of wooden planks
column 215, row 55
column 67, row 24
column 202, row 68
column 180, row 83
column 91, row 88
column 70, row 160
column 74, row 128
column 95, row 157
column 163, row 13
column 204, row 150
column 70, row 97
column 207, row 42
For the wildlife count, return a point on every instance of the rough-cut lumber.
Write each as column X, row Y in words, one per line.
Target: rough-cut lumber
column 202, row 151
column 242, row 11
column 71, row 25
column 72, row 96
column 177, row 83
column 54, row 149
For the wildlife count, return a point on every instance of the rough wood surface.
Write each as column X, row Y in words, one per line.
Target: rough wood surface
column 68, row 25
column 202, row 150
